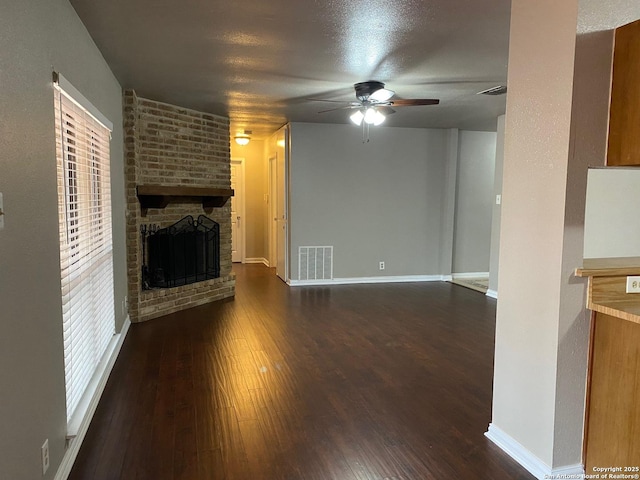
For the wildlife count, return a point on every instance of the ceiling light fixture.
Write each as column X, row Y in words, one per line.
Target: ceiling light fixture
column 378, row 117
column 357, row 117
column 374, row 103
column 382, row 95
column 370, row 116
column 367, row 116
column 242, row 140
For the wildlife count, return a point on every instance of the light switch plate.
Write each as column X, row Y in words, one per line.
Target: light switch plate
column 1, row 212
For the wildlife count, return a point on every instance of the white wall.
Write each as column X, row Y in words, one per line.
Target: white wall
column 377, row 201
column 474, row 202
column 612, row 223
column 38, row 36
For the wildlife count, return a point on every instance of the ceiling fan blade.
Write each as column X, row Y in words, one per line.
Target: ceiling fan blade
column 408, row 102
column 386, row 110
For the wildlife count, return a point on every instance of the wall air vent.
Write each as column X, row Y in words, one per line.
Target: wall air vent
column 498, row 90
column 315, row 263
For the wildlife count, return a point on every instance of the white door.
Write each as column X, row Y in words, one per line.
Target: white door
column 273, row 213
column 237, row 210
column 281, row 216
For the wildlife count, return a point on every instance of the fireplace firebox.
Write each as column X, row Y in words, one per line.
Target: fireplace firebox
column 186, row 252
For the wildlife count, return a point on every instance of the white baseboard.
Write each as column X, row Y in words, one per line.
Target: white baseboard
column 470, row 275
column 528, row 460
column 78, row 431
column 447, row 278
column 264, row 261
column 570, row 471
column 358, row 280
column 492, row 293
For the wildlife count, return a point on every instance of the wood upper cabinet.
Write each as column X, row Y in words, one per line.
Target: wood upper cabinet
column 624, row 115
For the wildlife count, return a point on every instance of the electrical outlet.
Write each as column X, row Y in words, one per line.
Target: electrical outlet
column 633, row 284
column 125, row 305
column 45, row 456
column 498, row 199
column 381, row 265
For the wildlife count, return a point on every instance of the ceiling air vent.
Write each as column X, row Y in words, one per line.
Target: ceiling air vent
column 499, row 90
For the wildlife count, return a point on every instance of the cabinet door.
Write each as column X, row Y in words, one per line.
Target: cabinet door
column 613, row 428
column 624, row 114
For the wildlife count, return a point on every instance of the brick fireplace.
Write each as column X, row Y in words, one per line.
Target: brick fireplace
column 177, row 164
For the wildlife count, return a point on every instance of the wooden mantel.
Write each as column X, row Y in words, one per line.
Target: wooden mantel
column 159, row 196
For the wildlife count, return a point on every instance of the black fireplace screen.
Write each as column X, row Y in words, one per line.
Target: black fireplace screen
column 186, row 252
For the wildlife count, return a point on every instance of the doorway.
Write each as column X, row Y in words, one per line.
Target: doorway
column 281, row 215
column 277, row 215
column 278, row 206
column 237, row 211
column 272, row 213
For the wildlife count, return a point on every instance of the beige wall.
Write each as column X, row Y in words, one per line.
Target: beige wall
column 256, row 171
column 556, row 126
column 497, row 209
column 474, row 201
column 528, row 343
column 589, row 123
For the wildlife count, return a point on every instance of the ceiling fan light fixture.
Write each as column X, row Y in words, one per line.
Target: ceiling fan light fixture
column 357, row 117
column 374, row 103
column 373, row 116
column 370, row 115
column 240, row 140
column 382, row 95
column 378, row 118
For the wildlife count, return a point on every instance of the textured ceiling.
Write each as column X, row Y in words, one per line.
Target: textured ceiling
column 599, row 15
column 260, row 61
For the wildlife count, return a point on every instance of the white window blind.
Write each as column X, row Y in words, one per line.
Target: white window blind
column 86, row 266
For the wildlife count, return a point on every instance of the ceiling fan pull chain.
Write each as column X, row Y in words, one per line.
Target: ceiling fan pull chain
column 365, row 132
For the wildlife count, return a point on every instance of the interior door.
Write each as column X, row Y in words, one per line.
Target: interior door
column 281, row 215
column 237, row 210
column 273, row 213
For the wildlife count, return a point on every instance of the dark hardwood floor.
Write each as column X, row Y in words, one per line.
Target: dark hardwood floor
column 354, row 382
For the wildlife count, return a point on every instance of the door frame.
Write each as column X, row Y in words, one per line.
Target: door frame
column 272, row 213
column 283, row 191
column 287, row 201
column 240, row 161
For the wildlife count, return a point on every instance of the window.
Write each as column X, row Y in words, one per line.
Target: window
column 86, row 253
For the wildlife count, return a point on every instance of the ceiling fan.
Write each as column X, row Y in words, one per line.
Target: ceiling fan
column 375, row 102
